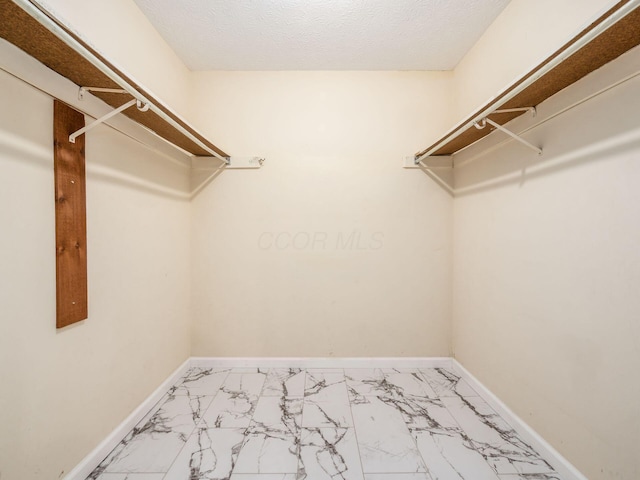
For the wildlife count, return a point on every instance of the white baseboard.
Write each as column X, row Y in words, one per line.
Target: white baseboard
column 566, row 470
column 93, row 459
column 321, row 362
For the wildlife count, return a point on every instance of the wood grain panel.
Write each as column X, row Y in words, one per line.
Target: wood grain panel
column 71, row 222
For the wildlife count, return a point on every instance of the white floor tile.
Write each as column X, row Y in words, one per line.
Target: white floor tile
column 397, row 476
column 230, row 410
column 326, row 402
column 412, row 384
column 421, row 412
column 233, row 406
column 157, row 439
column 252, row 423
column 250, row 370
column 329, row 453
column 268, row 452
column 210, row 454
column 200, row 381
column 278, row 413
column 249, row 383
column 263, row 476
column 494, row 438
column 364, row 381
column 131, row 476
column 448, row 455
column 446, row 383
column 531, row 476
column 386, row 445
column 288, row 382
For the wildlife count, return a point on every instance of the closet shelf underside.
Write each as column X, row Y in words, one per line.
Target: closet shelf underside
column 610, row 44
column 28, row 34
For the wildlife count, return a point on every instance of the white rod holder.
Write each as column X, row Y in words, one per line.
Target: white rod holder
column 526, row 82
column 508, row 132
column 40, row 13
column 83, row 90
column 514, row 110
column 480, row 124
column 104, row 118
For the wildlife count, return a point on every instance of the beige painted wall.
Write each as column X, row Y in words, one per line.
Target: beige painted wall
column 331, row 249
column 121, row 32
column 546, row 273
column 64, row 390
column 522, row 36
column 369, row 270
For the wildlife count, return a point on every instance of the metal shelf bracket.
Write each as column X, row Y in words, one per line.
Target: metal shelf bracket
column 514, row 110
column 483, row 123
column 143, row 107
column 84, row 90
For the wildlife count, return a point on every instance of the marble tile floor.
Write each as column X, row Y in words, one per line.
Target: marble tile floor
column 317, row 424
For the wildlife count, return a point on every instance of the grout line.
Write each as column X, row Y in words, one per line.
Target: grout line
column 355, row 430
column 304, row 396
column 197, row 424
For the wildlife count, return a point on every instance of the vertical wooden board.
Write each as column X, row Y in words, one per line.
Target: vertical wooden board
column 71, row 221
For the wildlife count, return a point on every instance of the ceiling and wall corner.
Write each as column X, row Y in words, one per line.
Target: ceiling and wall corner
column 534, row 30
column 122, row 33
column 321, row 35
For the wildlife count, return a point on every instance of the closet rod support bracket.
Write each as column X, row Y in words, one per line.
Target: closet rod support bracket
column 514, row 110
column 143, row 107
column 483, row 123
column 84, row 90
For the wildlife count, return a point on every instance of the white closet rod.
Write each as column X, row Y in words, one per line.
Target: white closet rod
column 551, row 117
column 573, row 48
column 38, row 12
column 98, row 121
column 151, row 148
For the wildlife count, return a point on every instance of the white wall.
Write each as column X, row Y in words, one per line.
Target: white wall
column 524, row 34
column 546, row 273
column 334, row 143
column 64, row 390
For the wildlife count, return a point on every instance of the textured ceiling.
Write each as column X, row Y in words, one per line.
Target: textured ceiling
column 321, row 34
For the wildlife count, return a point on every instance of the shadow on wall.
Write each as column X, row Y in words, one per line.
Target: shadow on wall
column 506, row 169
column 204, row 170
column 444, row 178
column 569, row 138
column 18, row 149
column 114, row 158
column 124, row 163
column 116, row 177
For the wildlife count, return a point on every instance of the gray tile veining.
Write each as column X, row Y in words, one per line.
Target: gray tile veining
column 328, row 453
column 252, row 423
column 493, row 438
column 326, row 401
column 235, row 402
column 445, row 383
column 209, row 454
column 286, row 382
